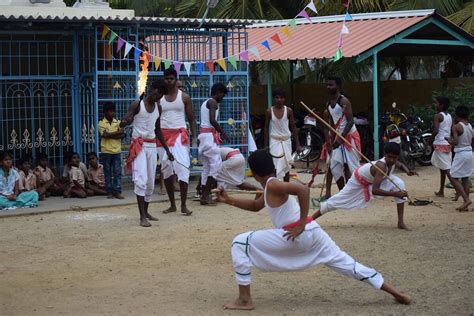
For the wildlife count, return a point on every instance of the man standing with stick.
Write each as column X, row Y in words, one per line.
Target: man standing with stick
column 344, row 159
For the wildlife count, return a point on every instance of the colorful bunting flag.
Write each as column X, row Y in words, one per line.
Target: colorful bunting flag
column 344, row 29
column 113, row 35
column 177, row 67
column 339, row 43
column 338, row 55
column 312, row 7
column 286, row 30
column 245, row 56
column 276, row 38
column 348, row 17
column 210, row 65
column 221, row 63
column 303, row 14
column 167, row 63
column 137, row 54
column 105, row 31
column 120, row 43
column 292, row 23
column 254, row 50
column 157, row 62
column 233, row 61
column 200, row 67
column 128, row 47
column 187, row 67
column 267, row 45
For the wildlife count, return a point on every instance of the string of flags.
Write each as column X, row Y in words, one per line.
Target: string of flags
column 287, row 30
column 344, row 30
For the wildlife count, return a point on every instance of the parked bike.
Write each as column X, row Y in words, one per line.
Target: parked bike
column 311, row 139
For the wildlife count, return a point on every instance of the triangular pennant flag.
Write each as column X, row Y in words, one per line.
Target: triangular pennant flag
column 187, row 67
column 303, row 14
column 120, row 43
column 113, row 35
column 286, row 30
column 210, row 65
column 157, row 62
column 221, row 63
column 105, row 31
column 338, row 55
column 233, row 61
column 137, row 54
column 167, row 63
column 200, row 67
column 344, row 29
column 177, row 67
column 254, row 50
column 345, row 3
column 244, row 56
column 128, row 47
column 312, row 7
column 267, row 45
column 348, row 17
column 276, row 38
column 339, row 43
column 292, row 23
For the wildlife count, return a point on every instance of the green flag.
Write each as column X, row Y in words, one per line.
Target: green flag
column 113, row 35
column 233, row 61
column 167, row 63
column 292, row 23
column 338, row 55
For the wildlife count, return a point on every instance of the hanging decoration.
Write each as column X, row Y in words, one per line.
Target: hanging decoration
column 109, row 35
column 344, row 30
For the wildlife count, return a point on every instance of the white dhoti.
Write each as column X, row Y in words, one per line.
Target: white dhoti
column 209, row 155
column 251, row 142
column 281, row 147
column 441, row 160
column 232, row 172
column 340, row 156
column 352, row 196
column 268, row 250
column 144, row 171
column 180, row 166
column 462, row 164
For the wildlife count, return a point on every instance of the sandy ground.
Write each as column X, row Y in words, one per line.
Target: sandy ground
column 102, row 262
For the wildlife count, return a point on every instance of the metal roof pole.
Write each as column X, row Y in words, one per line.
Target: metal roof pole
column 375, row 91
column 269, row 84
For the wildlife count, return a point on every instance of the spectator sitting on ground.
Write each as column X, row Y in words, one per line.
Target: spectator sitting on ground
column 28, row 180
column 95, row 173
column 46, row 177
column 77, row 178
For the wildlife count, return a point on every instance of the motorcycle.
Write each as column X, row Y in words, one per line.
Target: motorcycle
column 258, row 124
column 414, row 143
column 310, row 140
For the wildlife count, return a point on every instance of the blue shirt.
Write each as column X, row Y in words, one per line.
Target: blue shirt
column 7, row 184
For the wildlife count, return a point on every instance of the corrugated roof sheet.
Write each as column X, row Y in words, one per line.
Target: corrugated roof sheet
column 319, row 39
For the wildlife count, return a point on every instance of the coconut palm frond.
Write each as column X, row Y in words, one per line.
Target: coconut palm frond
column 464, row 17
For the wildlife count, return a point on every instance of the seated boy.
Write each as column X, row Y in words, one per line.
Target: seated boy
column 95, row 173
column 28, row 180
column 295, row 243
column 368, row 183
column 10, row 196
column 77, row 180
column 46, row 178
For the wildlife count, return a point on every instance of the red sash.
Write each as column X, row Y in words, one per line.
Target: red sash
column 232, row 154
column 136, row 146
column 364, row 183
column 171, row 135
column 215, row 134
column 442, row 148
column 309, row 219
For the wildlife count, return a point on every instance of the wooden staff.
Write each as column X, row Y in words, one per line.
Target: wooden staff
column 237, row 191
column 353, row 148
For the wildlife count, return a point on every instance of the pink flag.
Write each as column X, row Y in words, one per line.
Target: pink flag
column 120, row 43
column 304, row 14
column 177, row 66
column 244, row 56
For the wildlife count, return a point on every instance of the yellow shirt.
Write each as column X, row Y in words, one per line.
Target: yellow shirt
column 109, row 145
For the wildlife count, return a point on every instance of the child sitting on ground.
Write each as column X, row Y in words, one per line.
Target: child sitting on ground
column 28, row 180
column 95, row 174
column 77, row 179
column 10, row 196
column 46, row 178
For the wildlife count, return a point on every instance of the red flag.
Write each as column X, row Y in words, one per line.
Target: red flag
column 276, row 38
column 210, row 65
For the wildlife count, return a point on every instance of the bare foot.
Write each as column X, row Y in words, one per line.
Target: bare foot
column 170, row 209
column 151, row 218
column 144, row 223
column 440, row 194
column 403, row 226
column 186, row 212
column 455, row 198
column 464, row 207
column 240, row 305
column 403, row 299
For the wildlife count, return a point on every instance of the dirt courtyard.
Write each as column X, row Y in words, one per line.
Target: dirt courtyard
column 102, row 262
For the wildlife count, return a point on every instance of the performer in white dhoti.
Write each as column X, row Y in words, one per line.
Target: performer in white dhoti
column 461, row 168
column 278, row 135
column 305, row 243
column 442, row 156
column 344, row 159
column 368, row 183
column 232, row 172
column 209, row 138
column 142, row 155
column 176, row 105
